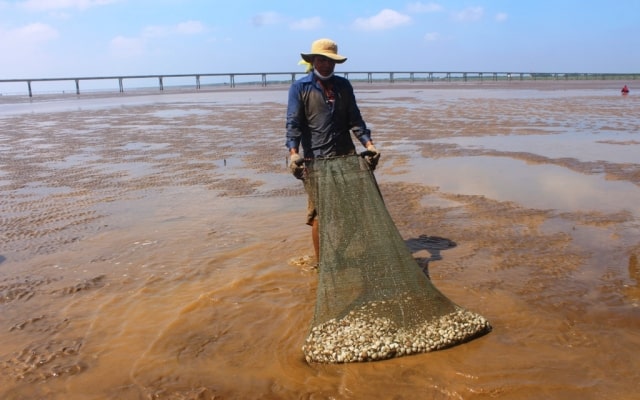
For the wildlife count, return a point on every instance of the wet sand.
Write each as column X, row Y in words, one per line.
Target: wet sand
column 154, row 246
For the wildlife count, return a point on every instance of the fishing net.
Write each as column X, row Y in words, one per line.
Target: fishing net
column 374, row 301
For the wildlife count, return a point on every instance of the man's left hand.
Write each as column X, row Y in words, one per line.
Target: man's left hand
column 372, row 157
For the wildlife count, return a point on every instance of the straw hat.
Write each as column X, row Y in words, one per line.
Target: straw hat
column 324, row 47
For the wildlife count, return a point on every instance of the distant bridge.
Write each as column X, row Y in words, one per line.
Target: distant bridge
column 197, row 81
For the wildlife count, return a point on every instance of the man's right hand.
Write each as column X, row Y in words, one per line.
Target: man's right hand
column 296, row 165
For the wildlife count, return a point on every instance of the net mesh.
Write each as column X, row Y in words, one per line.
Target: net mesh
column 373, row 300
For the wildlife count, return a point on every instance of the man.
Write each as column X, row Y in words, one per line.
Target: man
column 321, row 116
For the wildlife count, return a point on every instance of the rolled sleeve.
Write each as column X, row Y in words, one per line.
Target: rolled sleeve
column 363, row 135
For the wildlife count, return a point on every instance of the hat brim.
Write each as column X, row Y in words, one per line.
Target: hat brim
column 308, row 57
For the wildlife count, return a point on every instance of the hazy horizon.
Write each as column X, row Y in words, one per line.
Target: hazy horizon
column 68, row 38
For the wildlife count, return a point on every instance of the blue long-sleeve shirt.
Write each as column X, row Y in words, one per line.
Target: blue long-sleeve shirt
column 323, row 129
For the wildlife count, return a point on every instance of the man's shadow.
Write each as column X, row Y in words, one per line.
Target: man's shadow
column 433, row 244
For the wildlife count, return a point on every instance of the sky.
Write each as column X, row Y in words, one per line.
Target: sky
column 84, row 38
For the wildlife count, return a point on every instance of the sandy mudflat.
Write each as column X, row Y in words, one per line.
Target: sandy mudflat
column 153, row 245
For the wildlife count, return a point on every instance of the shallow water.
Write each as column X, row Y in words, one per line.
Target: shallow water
column 151, row 245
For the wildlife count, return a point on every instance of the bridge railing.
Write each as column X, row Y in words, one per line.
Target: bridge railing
column 232, row 80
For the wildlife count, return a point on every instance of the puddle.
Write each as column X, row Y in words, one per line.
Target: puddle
column 615, row 147
column 535, row 186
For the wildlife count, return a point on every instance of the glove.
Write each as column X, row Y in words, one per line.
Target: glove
column 372, row 156
column 296, row 166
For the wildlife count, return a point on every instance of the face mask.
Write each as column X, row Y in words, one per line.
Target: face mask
column 322, row 77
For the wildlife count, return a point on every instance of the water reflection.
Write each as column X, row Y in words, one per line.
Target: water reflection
column 536, row 186
column 611, row 146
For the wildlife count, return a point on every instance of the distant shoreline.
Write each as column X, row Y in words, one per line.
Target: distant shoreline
column 251, row 81
column 514, row 84
column 613, row 85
